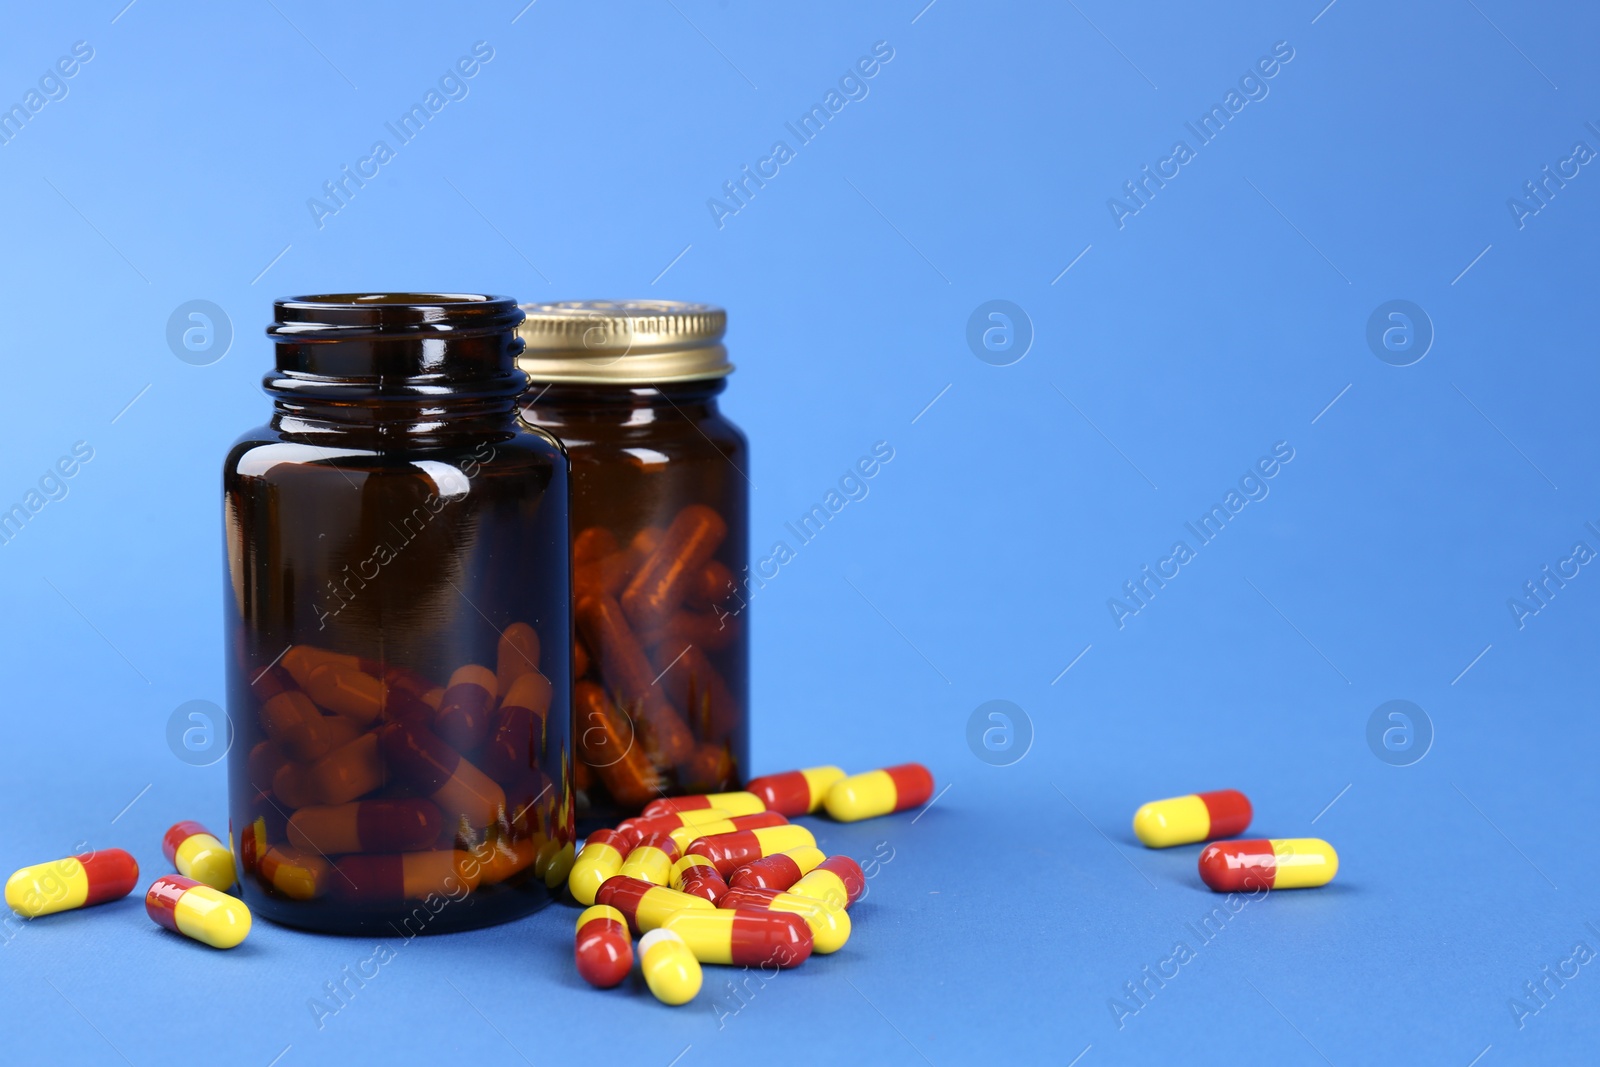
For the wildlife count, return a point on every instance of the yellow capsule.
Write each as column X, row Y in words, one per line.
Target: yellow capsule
column 830, row 926
column 740, row 803
column 884, row 792
column 602, row 856
column 1268, row 863
column 198, row 911
column 197, row 854
column 651, row 860
column 559, row 864
column 670, row 969
column 1196, row 817
column 73, row 882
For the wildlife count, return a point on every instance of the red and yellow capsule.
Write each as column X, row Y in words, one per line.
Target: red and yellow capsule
column 651, row 860
column 795, row 792
column 372, row 879
column 1196, row 817
column 1262, row 863
column 641, row 826
column 463, row 719
column 830, row 926
column 740, row 803
column 297, row 875
column 670, row 969
column 683, row 836
column 197, row 911
column 836, row 881
column 646, row 906
column 601, row 858
column 730, row 851
column 778, row 872
column 405, row 824
column 864, row 796
column 743, row 938
column 73, row 882
column 603, row 951
column 698, row 877
column 197, row 853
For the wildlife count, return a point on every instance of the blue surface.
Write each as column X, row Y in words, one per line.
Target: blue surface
column 1225, row 315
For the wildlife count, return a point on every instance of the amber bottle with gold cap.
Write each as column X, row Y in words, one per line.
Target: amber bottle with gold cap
column 660, row 516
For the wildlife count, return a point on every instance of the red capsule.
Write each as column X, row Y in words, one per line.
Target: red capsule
column 698, row 877
column 730, row 851
column 406, row 824
column 743, row 938
column 777, row 872
column 603, row 951
column 518, row 737
column 450, row 780
column 463, row 719
column 795, row 792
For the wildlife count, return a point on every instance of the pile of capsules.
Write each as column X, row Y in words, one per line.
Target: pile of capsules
column 1231, row 866
column 194, row 902
column 645, row 626
column 725, row 878
column 344, row 735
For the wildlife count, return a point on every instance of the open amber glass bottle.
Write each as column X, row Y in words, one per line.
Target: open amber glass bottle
column 398, row 616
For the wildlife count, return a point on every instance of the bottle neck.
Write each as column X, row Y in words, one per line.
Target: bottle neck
column 391, row 368
column 555, row 403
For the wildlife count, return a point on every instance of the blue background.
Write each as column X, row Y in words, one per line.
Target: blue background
column 1223, row 317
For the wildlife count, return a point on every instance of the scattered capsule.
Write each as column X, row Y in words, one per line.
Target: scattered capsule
column 743, row 938
column 198, row 854
column 1196, row 817
column 651, row 860
column 366, row 879
column 730, row 851
column 197, row 911
column 604, row 951
column 556, row 858
column 1277, row 863
column 640, row 826
column 601, row 858
column 740, row 803
column 463, row 719
column 864, row 796
column 830, row 926
column 836, row 881
column 698, row 877
column 795, row 792
column 74, row 882
column 297, row 875
column 778, row 872
column 684, row 835
column 644, row 905
column 669, row 967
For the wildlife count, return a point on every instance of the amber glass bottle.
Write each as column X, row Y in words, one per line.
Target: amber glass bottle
column 660, row 517
column 398, row 615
